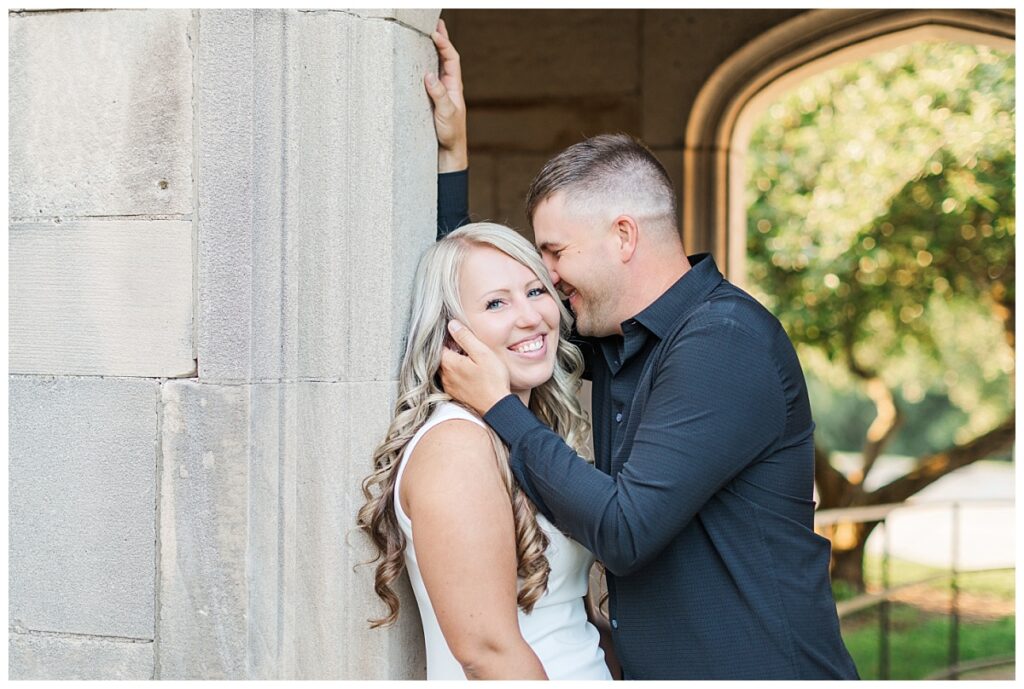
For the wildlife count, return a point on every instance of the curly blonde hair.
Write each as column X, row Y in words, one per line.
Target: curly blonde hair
column 436, row 301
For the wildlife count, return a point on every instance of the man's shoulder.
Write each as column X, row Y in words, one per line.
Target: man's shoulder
column 730, row 306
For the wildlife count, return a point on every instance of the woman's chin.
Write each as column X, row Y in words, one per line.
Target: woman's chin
column 521, row 384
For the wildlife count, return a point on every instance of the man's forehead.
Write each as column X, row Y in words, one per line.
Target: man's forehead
column 552, row 222
column 549, row 238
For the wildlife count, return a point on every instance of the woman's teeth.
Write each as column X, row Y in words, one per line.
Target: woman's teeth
column 531, row 346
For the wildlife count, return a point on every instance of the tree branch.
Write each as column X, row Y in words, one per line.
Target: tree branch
column 888, row 419
column 833, row 486
column 888, row 416
column 1005, row 310
column 931, row 468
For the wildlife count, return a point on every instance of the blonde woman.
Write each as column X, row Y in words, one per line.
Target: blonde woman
column 500, row 591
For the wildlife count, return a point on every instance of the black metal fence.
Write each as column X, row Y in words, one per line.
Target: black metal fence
column 883, row 598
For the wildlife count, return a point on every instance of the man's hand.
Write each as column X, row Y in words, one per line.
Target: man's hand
column 449, row 105
column 477, row 378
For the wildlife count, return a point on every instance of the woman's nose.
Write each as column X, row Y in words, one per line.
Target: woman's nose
column 528, row 315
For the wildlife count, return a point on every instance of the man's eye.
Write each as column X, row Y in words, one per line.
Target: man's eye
column 537, row 291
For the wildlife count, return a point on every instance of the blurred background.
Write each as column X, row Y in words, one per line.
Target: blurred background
column 864, row 192
column 880, row 204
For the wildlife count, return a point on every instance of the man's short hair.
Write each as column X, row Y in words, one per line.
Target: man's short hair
column 611, row 173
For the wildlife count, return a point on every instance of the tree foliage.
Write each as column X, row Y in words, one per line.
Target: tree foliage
column 881, row 233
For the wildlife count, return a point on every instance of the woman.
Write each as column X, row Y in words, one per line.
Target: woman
column 500, row 591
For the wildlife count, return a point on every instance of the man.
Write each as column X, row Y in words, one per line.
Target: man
column 699, row 504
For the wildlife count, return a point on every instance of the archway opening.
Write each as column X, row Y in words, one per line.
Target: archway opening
column 871, row 208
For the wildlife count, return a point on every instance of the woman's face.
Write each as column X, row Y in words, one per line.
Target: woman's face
column 510, row 311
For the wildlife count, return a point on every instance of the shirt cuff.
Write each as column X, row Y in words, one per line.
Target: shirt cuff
column 452, row 200
column 511, row 420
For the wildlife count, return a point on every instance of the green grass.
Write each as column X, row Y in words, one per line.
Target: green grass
column 1000, row 584
column 919, row 640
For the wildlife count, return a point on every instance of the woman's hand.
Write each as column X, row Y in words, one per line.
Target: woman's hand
column 449, row 105
column 477, row 378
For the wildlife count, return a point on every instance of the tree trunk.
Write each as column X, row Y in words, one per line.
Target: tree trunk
column 848, row 544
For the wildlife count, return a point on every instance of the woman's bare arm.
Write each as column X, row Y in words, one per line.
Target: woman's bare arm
column 465, row 547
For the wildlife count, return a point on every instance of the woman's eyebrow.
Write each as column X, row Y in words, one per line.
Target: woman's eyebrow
column 505, row 290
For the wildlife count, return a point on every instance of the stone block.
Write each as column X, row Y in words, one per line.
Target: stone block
column 331, row 461
column 258, row 543
column 82, row 513
column 100, row 110
column 332, row 253
column 673, row 76
column 36, row 657
column 423, row 21
column 225, row 171
column 204, row 515
column 551, row 126
column 101, row 298
column 514, row 54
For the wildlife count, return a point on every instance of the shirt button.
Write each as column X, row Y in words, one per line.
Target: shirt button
column 616, row 362
column 615, row 624
column 618, row 417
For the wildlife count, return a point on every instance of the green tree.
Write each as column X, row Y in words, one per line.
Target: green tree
column 881, row 233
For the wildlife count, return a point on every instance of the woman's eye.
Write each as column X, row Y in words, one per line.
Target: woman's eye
column 493, row 304
column 537, row 291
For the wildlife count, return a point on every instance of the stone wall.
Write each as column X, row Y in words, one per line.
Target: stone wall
column 214, row 221
column 540, row 80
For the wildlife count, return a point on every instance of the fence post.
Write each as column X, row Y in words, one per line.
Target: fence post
column 883, row 608
column 954, row 627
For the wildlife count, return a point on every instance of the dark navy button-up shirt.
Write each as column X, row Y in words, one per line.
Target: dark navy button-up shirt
column 699, row 503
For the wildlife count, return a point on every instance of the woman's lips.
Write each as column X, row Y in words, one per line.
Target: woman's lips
column 533, row 347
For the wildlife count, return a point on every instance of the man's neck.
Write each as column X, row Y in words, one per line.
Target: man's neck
column 652, row 281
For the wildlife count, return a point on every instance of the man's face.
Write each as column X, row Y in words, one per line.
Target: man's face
column 580, row 255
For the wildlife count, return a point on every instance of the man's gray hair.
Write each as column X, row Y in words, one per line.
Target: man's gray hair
column 611, row 173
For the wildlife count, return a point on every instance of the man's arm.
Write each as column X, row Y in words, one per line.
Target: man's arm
column 716, row 405
column 452, row 201
column 449, row 104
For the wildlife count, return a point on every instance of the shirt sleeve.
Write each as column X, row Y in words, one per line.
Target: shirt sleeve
column 716, row 405
column 452, row 201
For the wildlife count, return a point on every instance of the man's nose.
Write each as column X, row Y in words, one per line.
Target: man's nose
column 549, row 263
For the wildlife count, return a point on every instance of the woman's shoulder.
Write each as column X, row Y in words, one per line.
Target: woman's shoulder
column 451, row 436
column 447, row 411
column 453, row 455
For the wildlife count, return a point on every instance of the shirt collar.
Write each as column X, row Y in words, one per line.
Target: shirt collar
column 702, row 277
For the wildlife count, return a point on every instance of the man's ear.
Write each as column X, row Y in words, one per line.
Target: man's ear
column 627, row 234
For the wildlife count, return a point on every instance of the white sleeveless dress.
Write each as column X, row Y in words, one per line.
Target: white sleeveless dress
column 557, row 630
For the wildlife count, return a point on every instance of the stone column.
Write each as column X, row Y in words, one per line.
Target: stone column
column 316, row 195
column 215, row 219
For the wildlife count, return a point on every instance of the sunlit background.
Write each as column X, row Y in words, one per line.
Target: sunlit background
column 881, row 233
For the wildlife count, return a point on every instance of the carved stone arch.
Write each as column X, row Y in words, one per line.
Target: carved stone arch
column 718, row 130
